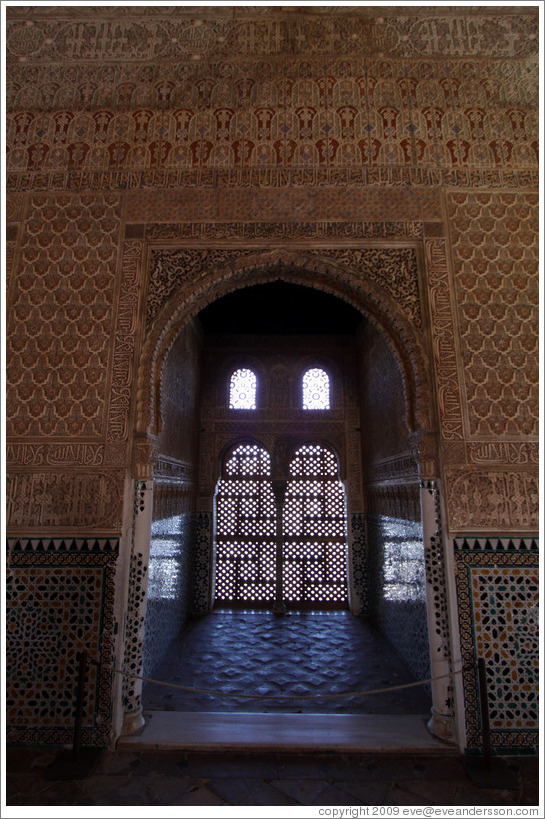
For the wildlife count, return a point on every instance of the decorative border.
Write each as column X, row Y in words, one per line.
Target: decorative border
column 436, row 577
column 201, row 580
column 60, row 545
column 94, row 37
column 172, row 470
column 471, row 552
column 268, row 178
column 360, row 568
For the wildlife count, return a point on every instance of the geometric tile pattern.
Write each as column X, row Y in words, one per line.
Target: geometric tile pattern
column 498, row 590
column 300, row 654
column 59, row 601
column 360, row 571
column 134, row 630
column 202, row 563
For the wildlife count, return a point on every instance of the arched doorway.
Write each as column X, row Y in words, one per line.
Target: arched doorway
column 402, row 338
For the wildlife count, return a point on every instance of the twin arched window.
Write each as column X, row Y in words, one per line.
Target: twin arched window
column 315, row 390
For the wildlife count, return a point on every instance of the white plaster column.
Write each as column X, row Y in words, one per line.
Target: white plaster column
column 135, row 617
column 356, row 560
column 441, row 723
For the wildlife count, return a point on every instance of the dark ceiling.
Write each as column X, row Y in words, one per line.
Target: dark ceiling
column 279, row 308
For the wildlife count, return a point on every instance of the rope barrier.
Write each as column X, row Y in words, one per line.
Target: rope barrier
column 341, row 695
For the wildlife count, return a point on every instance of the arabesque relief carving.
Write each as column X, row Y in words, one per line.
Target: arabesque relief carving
column 393, row 268
column 494, row 248
column 62, row 317
column 178, row 35
column 75, row 500
column 302, row 268
column 492, row 501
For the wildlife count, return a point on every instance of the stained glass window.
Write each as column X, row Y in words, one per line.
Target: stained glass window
column 315, row 389
column 243, row 390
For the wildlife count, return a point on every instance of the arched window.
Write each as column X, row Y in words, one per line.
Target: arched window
column 243, row 390
column 315, row 389
column 314, row 529
column 245, row 528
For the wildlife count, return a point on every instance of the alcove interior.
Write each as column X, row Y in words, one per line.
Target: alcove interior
column 280, row 326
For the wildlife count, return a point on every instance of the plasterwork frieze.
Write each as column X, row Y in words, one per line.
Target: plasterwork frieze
column 173, row 470
column 124, row 342
column 58, row 500
column 492, row 501
column 207, row 180
column 283, row 230
column 444, row 340
column 516, row 453
column 96, row 37
column 67, row 454
column 394, row 269
column 397, row 469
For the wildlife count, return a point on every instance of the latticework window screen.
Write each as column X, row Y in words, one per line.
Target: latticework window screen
column 315, row 389
column 243, row 390
column 314, row 530
column 245, row 528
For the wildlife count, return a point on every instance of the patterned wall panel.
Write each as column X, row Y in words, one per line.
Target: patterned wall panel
column 59, row 595
column 494, row 239
column 360, row 569
column 112, row 112
column 498, row 588
column 201, row 581
column 487, row 360
column 176, row 102
column 62, row 317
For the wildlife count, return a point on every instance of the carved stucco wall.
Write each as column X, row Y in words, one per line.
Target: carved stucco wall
column 326, row 137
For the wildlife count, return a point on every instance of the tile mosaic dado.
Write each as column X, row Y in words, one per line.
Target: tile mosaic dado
column 498, row 588
column 59, row 596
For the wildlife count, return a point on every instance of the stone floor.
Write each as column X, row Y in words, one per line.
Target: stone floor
column 297, row 655
column 182, row 779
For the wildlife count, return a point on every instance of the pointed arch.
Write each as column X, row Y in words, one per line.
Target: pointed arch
column 351, row 282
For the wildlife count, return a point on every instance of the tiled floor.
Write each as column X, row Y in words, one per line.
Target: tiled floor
column 283, row 780
column 296, row 655
column 302, row 655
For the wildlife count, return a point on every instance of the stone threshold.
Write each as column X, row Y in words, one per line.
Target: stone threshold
column 214, row 731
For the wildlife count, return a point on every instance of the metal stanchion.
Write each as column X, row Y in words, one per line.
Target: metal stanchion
column 485, row 771
column 79, row 762
column 80, row 697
